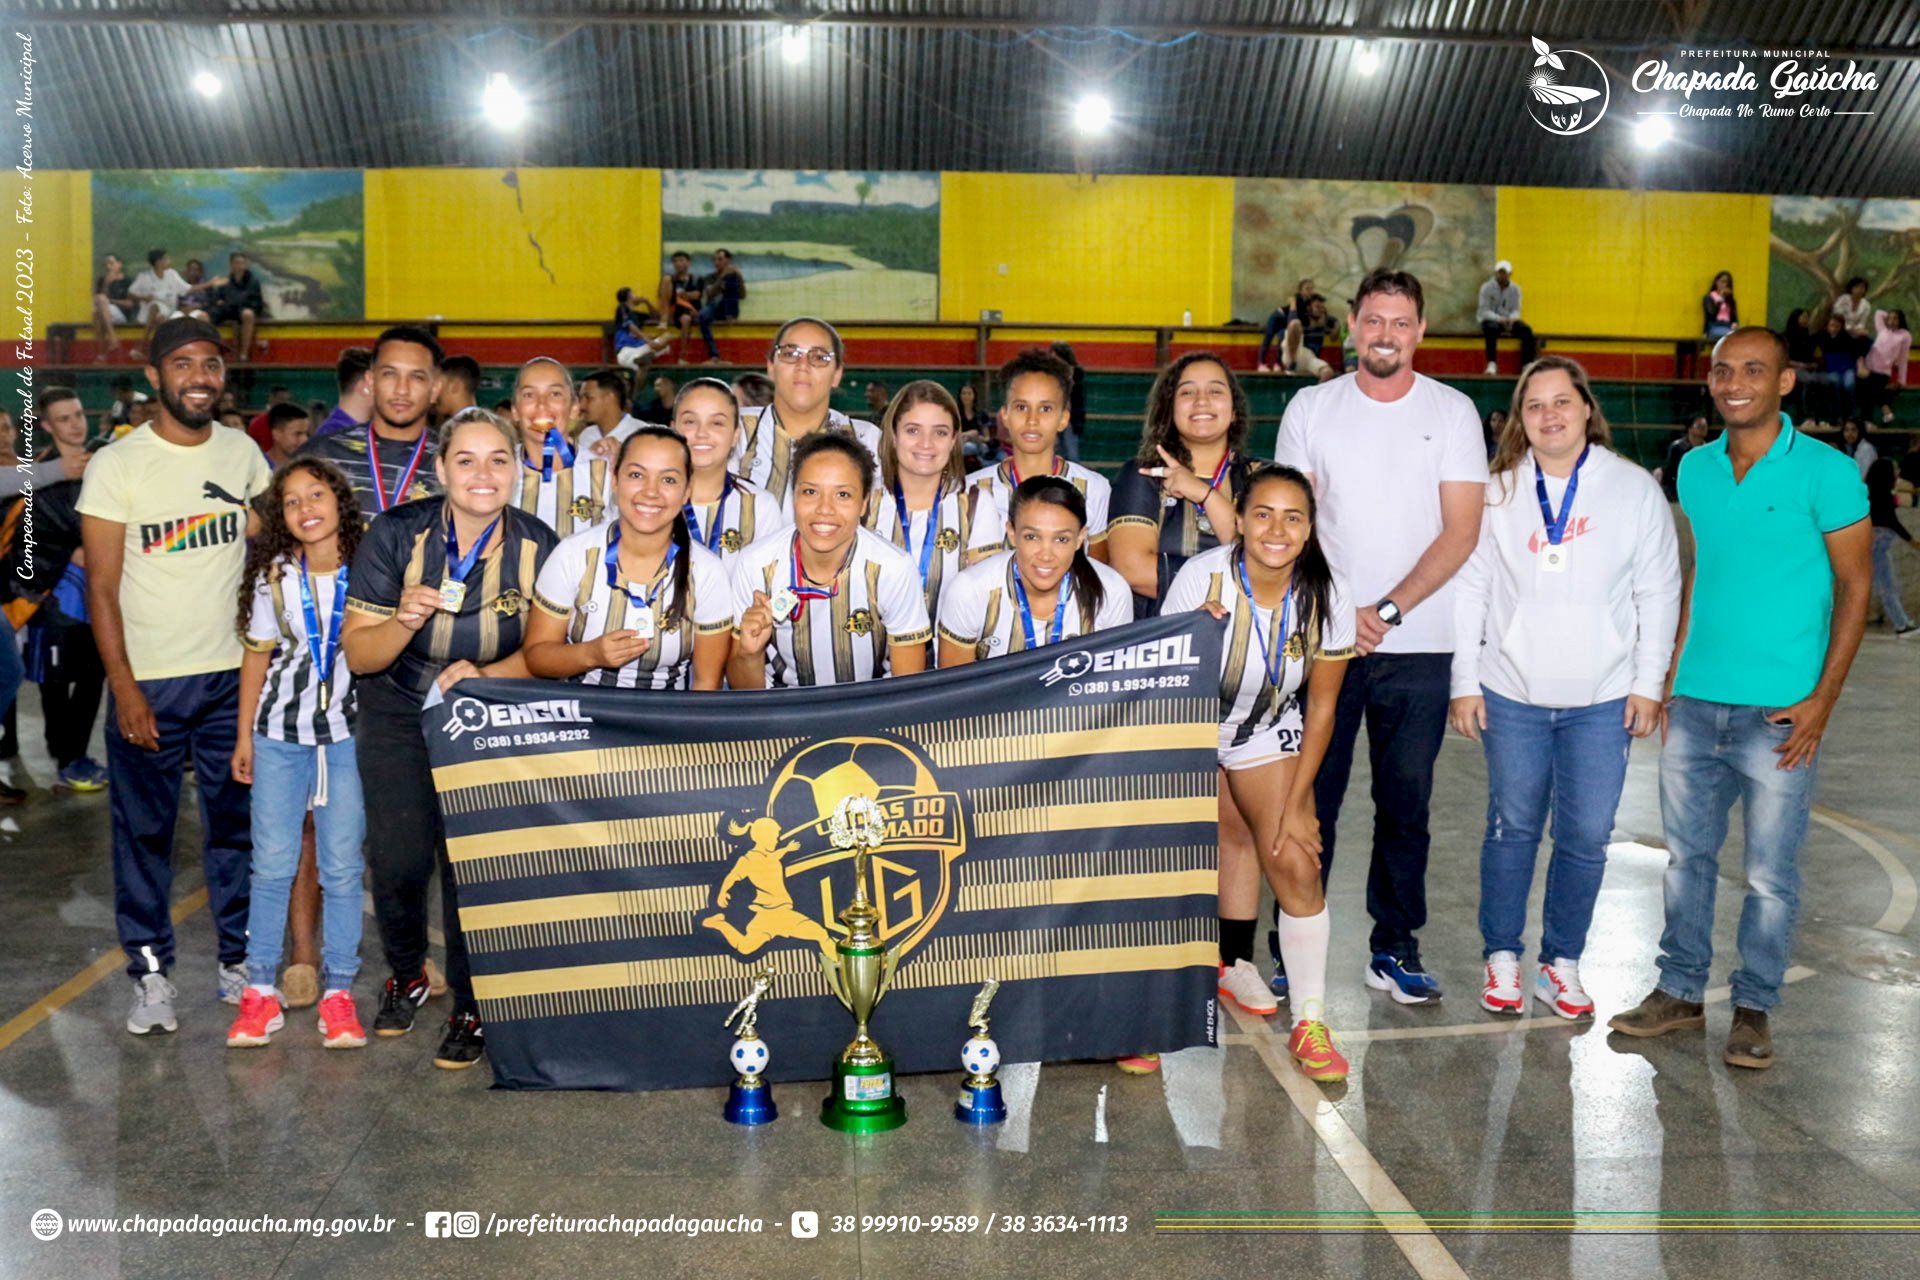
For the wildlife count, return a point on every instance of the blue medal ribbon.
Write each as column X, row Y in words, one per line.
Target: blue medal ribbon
column 323, row 647
column 933, row 526
column 555, row 445
column 1557, row 525
column 712, row 540
column 1026, row 610
column 1274, row 662
column 459, row 566
column 645, row 599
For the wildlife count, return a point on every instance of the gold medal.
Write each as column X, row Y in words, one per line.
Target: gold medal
column 784, row 605
column 453, row 594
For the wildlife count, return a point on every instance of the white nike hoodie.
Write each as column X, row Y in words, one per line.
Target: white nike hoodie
column 1599, row 630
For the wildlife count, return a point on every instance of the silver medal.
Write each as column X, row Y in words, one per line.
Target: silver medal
column 643, row 624
column 784, row 605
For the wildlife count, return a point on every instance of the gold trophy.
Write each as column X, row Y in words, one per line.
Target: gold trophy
column 980, row 1099
column 863, row 1099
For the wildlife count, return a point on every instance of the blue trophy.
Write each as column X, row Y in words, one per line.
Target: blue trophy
column 750, row 1098
column 980, row 1101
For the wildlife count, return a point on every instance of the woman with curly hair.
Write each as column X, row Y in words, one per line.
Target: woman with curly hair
column 297, row 695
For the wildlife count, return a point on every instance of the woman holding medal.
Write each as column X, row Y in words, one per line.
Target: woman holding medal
column 724, row 513
column 1177, row 498
column 1047, row 589
column 923, row 505
column 441, row 588
column 831, row 602
column 1290, row 631
column 1565, row 617
column 635, row 603
column 297, row 695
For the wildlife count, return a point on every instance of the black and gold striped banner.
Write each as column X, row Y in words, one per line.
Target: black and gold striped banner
column 626, row 860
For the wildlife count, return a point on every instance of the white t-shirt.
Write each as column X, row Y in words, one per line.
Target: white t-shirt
column 982, row 609
column 953, row 528
column 289, row 708
column 1250, row 701
column 1377, row 469
column 591, row 434
column 573, row 586
column 996, row 485
column 763, row 451
column 877, row 602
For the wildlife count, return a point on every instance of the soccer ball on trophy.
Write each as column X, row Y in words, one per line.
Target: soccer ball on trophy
column 750, row 1056
column 979, row 1056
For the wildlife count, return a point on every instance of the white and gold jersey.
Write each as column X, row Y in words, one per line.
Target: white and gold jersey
column 877, row 601
column 982, row 609
column 763, row 452
column 996, row 485
column 572, row 585
column 952, row 524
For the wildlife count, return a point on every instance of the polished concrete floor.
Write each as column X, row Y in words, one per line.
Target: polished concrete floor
column 1459, row 1130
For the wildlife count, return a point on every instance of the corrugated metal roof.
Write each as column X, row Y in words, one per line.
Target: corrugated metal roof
column 949, row 84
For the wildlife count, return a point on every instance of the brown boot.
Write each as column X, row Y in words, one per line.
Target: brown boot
column 1658, row 1014
column 1750, row 1042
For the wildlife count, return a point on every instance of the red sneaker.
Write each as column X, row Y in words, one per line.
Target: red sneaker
column 1139, row 1064
column 340, row 1023
column 259, row 1018
column 1312, row 1047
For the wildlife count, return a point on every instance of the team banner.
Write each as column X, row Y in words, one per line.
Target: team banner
column 626, row 861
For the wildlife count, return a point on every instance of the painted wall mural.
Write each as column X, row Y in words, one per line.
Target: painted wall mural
column 1819, row 244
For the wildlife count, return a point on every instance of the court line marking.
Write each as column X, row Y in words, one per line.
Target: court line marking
column 1903, row 893
column 1424, row 1251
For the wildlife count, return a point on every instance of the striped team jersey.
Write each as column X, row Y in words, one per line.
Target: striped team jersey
column 982, row 609
column 996, row 485
column 569, row 498
column 290, row 699
column 763, row 452
column 877, row 601
column 736, row 522
column 572, row 585
column 952, row 523
column 1250, row 702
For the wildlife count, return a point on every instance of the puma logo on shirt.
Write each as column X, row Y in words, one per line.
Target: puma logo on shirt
column 190, row 533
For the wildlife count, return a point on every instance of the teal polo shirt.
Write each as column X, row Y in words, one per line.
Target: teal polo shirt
column 1762, row 598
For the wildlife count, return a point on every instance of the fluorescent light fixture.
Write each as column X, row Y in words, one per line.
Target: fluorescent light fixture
column 1653, row 131
column 1092, row 113
column 1367, row 61
column 207, row 84
column 501, row 103
column 795, row 43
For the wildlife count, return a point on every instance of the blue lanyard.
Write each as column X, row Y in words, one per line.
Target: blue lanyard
column 554, row 444
column 459, row 566
column 719, row 516
column 645, row 599
column 933, row 526
column 323, row 648
column 1274, row 662
column 1026, row 610
column 1557, row 525
column 1219, row 474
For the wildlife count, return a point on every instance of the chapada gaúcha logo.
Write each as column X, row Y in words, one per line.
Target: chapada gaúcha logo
column 1562, row 88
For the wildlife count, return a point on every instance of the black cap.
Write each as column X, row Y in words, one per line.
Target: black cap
column 182, row 331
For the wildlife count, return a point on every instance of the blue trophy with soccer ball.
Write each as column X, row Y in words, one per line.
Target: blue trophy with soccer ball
column 980, row 1101
column 750, row 1098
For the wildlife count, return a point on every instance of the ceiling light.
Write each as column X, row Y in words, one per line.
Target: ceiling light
column 1093, row 113
column 794, row 43
column 207, row 84
column 1367, row 61
column 1652, row 131
column 501, row 103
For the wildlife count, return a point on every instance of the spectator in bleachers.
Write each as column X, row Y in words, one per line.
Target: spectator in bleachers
column 257, row 427
column 115, row 415
column 289, row 428
column 1494, row 426
column 1854, row 443
column 1669, row 472
column 680, row 298
column 753, row 390
column 1307, row 336
column 352, row 374
column 199, row 288
column 1881, row 508
column 877, row 398
column 112, row 304
column 159, row 291
column 660, row 408
column 1499, row 316
column 1839, row 363
column 389, row 458
column 721, row 295
column 1278, row 321
column 141, row 414
column 979, row 433
column 1803, row 356
column 1076, row 409
column 631, row 346
column 604, row 394
column 1856, row 314
column 1720, row 314
column 459, row 385
column 1886, row 362
column 236, row 299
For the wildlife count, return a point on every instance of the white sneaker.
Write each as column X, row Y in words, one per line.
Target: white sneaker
column 152, row 1005
column 233, row 983
column 1501, row 994
column 1559, row 987
column 1492, row 368
column 1243, row 985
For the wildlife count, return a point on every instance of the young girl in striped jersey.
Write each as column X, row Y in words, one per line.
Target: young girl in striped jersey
column 1043, row 591
column 724, row 512
column 635, row 603
column 923, row 504
column 1289, row 625
column 297, row 695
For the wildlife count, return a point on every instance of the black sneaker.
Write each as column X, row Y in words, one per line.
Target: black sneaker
column 463, row 1045
column 398, row 1000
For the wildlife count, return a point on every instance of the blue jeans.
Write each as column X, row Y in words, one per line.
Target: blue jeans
column 11, row 670
column 1275, row 330
column 285, row 774
column 1886, row 581
column 718, row 309
column 1574, row 761
column 1716, row 754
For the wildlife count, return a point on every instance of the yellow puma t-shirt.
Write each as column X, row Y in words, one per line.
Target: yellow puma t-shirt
column 185, row 509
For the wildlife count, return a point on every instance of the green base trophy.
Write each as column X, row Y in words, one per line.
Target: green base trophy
column 980, row 1100
column 863, row 1098
column 750, row 1099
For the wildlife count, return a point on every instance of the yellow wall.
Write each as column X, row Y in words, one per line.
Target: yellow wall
column 1112, row 250
column 60, row 238
column 454, row 242
column 1632, row 262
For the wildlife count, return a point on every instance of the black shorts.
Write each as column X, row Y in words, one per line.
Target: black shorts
column 225, row 313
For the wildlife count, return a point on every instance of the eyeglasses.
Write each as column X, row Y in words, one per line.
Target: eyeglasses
column 818, row 357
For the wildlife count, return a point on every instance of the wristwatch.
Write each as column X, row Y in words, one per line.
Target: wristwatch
column 1390, row 613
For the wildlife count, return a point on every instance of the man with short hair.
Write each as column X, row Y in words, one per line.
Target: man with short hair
column 1400, row 472
column 753, row 390
column 658, row 410
column 257, row 425
column 1771, row 618
column 680, row 297
column 877, row 398
column 459, row 385
column 289, row 428
column 164, row 523
column 603, row 407
column 116, row 414
column 1499, row 316
column 159, row 290
column 390, row 460
column 806, row 361
column 353, row 374
column 237, row 300
column 721, row 295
